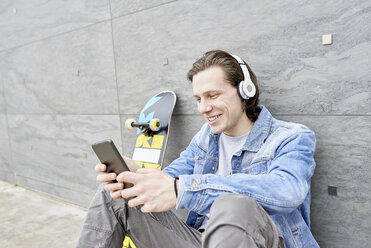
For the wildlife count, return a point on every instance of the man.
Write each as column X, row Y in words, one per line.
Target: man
column 245, row 176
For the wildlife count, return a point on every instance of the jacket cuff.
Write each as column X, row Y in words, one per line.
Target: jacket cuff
column 190, row 192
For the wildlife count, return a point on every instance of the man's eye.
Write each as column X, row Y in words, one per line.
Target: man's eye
column 213, row 96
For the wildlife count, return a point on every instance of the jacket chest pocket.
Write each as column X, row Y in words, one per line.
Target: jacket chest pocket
column 256, row 168
column 199, row 160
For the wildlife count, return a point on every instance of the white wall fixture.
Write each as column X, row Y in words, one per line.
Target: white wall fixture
column 327, row 39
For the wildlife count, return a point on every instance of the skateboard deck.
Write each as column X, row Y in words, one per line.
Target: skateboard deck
column 152, row 130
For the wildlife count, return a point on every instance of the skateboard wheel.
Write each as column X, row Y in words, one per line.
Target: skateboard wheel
column 155, row 125
column 129, row 124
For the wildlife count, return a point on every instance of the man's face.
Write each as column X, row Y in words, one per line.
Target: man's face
column 218, row 102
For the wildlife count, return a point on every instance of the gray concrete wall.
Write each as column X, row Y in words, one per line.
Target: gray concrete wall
column 71, row 73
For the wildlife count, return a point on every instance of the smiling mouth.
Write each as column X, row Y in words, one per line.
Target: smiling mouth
column 213, row 118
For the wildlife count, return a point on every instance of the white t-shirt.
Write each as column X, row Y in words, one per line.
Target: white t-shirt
column 228, row 146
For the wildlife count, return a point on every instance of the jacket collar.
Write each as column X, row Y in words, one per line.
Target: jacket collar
column 258, row 134
column 260, row 131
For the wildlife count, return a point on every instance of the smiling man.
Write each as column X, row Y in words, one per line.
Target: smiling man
column 245, row 176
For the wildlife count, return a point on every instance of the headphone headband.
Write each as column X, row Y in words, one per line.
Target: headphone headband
column 243, row 67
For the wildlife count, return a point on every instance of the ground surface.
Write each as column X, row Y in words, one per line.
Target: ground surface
column 32, row 219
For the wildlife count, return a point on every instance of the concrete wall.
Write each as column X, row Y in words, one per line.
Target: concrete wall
column 71, row 73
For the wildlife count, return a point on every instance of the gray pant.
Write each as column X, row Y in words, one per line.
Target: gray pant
column 235, row 221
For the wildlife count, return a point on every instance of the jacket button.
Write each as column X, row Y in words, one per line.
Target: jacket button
column 194, row 183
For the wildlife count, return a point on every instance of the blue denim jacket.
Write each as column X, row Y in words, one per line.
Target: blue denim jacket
column 274, row 167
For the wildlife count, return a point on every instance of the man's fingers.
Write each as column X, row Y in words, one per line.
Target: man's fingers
column 128, row 177
column 136, row 201
column 132, row 192
column 101, row 167
column 106, row 177
column 147, row 170
column 146, row 208
column 116, row 195
column 131, row 164
column 113, row 186
column 135, row 177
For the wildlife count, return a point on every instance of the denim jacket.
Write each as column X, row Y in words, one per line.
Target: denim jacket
column 274, row 167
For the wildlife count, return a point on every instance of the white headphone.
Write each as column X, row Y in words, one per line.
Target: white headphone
column 246, row 88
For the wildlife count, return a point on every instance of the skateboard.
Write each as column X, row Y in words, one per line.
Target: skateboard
column 152, row 130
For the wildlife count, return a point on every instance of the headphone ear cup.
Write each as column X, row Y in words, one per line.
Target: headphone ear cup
column 241, row 92
column 249, row 88
column 246, row 90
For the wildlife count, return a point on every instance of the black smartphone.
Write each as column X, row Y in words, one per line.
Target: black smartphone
column 108, row 154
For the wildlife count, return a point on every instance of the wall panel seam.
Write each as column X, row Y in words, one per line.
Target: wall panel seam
column 52, row 184
column 7, row 132
column 53, row 36
column 117, row 86
column 141, row 10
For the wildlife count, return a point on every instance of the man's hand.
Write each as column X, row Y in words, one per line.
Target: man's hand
column 152, row 188
column 104, row 177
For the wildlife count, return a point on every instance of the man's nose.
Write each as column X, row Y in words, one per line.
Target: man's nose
column 204, row 107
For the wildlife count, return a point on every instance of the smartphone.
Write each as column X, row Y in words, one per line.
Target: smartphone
column 108, row 154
